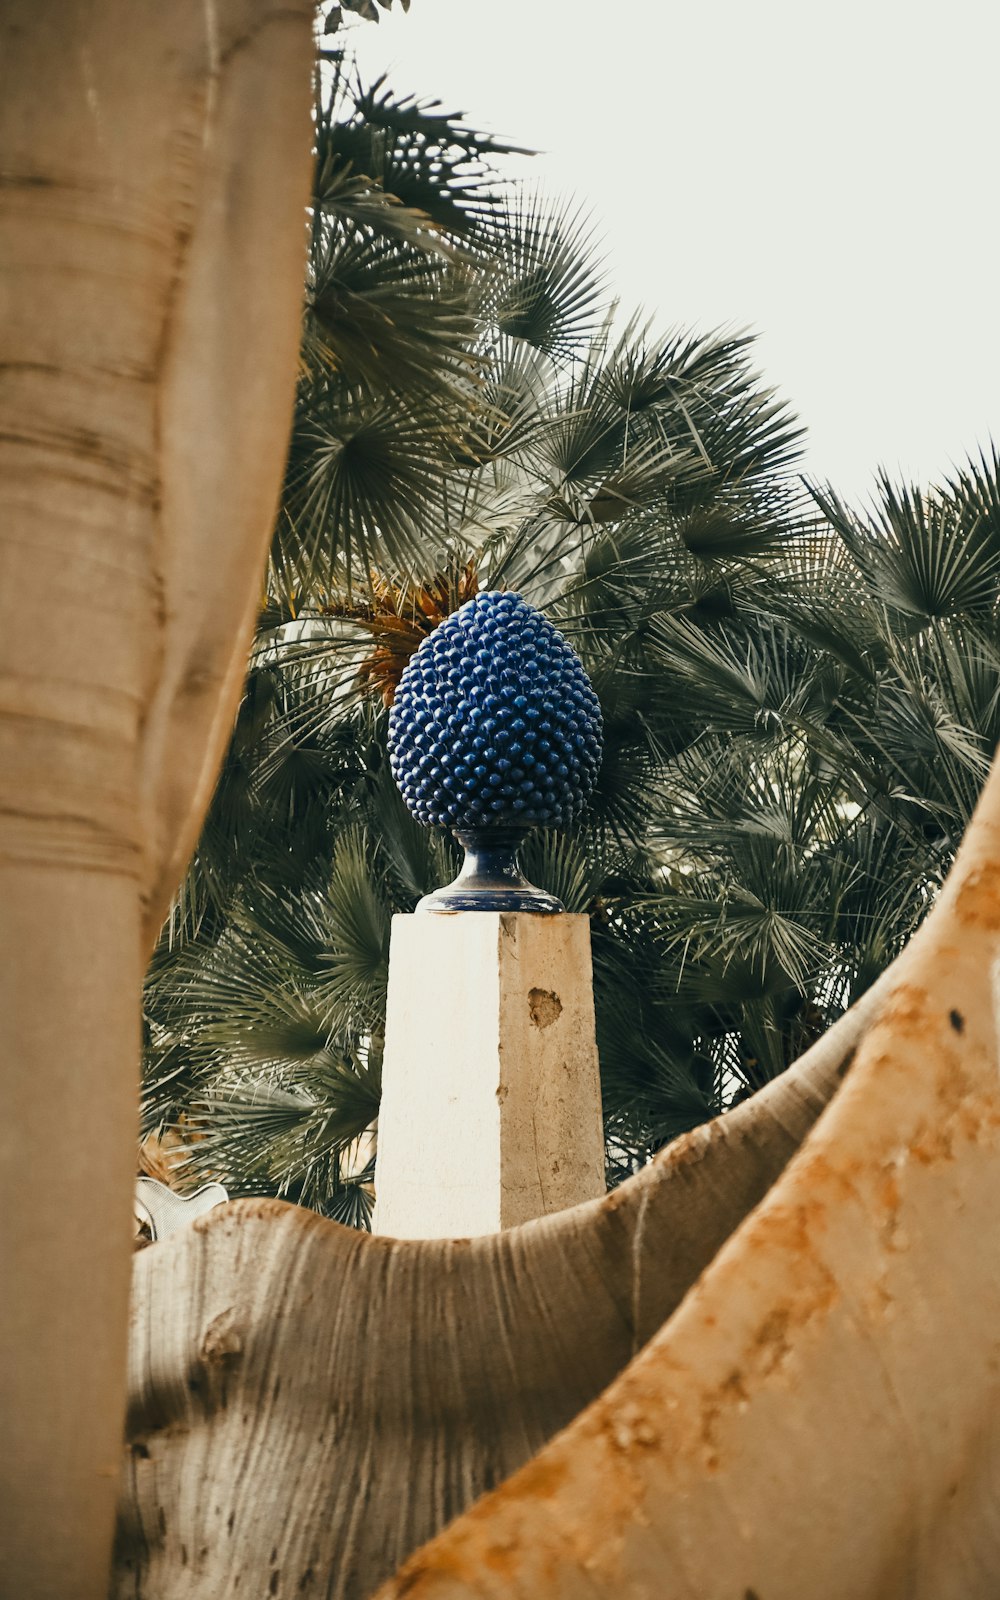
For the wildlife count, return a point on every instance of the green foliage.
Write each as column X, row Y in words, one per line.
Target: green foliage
column 800, row 700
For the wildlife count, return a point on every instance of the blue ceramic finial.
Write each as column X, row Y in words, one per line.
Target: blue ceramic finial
column 494, row 730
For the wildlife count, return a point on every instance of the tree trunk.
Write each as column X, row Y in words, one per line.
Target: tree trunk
column 154, row 164
column 774, row 1355
column 310, row 1402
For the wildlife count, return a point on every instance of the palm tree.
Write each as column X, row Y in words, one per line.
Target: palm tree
column 842, row 717
column 800, row 701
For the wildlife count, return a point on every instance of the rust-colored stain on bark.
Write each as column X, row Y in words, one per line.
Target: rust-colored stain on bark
column 933, row 1146
column 630, row 1428
column 905, row 1012
column 771, row 1343
column 978, row 898
column 487, row 1540
column 887, row 1192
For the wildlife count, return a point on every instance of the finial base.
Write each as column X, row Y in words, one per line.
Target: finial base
column 491, row 878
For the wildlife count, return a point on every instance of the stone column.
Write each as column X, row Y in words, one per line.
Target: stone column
column 491, row 1099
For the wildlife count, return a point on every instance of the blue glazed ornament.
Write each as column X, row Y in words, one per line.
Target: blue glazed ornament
column 495, row 729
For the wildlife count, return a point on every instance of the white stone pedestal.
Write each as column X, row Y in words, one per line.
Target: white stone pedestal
column 491, row 1099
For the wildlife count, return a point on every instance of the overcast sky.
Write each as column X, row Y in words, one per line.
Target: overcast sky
column 823, row 173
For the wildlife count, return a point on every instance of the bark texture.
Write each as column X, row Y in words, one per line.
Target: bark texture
column 154, row 165
column 308, row 1404
column 767, row 1367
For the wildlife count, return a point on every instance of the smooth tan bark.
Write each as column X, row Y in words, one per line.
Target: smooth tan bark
column 773, row 1356
column 154, row 167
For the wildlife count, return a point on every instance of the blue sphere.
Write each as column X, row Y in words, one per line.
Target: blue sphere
column 495, row 723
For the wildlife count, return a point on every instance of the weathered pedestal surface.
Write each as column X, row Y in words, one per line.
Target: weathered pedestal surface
column 491, row 1098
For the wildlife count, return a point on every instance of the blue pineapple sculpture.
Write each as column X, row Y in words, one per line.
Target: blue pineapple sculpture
column 494, row 730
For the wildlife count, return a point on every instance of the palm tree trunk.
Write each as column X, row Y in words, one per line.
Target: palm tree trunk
column 153, row 175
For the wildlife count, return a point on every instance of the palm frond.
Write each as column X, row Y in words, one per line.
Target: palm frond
column 548, row 287
column 355, row 969
column 925, row 555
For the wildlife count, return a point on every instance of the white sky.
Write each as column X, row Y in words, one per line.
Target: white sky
column 824, row 171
